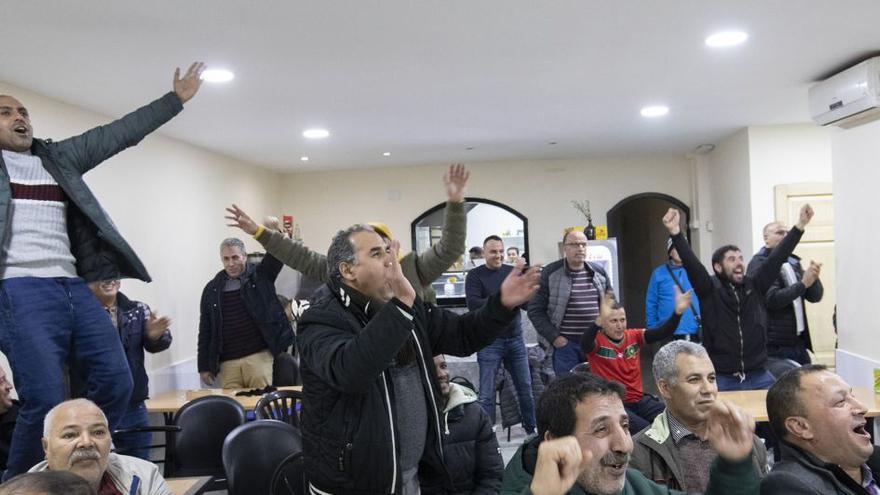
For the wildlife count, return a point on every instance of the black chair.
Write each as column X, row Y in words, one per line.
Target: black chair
column 253, row 452
column 778, row 366
column 197, row 450
column 285, row 371
column 290, row 477
column 281, row 405
column 167, row 430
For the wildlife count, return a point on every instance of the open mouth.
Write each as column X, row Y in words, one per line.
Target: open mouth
column 860, row 431
column 616, row 468
column 20, row 129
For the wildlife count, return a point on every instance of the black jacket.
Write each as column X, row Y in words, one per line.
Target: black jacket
column 782, row 325
column 734, row 316
column 470, row 448
column 7, row 425
column 261, row 302
column 349, row 435
column 801, row 473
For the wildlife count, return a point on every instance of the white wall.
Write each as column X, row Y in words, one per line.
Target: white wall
column 540, row 190
column 783, row 154
column 167, row 199
column 730, row 190
column 856, row 159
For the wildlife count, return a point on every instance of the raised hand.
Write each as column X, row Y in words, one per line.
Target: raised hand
column 240, row 219
column 187, row 86
column 156, row 326
column 672, row 221
column 399, row 284
column 605, row 308
column 805, row 216
column 560, row 462
column 682, row 301
column 455, row 180
column 730, row 431
column 520, row 286
column 811, row 274
column 272, row 222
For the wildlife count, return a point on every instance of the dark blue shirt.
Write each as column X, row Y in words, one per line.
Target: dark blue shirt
column 481, row 283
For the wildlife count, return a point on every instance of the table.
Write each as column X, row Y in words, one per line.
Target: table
column 169, row 402
column 187, row 486
column 755, row 401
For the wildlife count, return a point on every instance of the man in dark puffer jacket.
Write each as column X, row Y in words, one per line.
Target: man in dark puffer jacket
column 470, row 448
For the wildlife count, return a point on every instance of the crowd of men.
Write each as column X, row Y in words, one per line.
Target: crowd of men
column 380, row 413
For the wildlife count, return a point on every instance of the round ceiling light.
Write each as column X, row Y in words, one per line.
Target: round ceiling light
column 655, row 111
column 724, row 39
column 217, row 75
column 316, row 133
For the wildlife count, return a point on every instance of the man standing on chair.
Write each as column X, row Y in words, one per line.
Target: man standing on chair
column 242, row 325
column 788, row 332
column 54, row 239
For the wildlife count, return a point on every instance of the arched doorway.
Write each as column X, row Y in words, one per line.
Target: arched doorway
column 641, row 245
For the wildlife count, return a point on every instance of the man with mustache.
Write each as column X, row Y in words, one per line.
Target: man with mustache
column 733, row 304
column 675, row 451
column 586, row 446
column 824, row 445
column 76, row 438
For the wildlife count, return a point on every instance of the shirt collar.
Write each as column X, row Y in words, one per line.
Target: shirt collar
column 677, row 429
column 868, row 482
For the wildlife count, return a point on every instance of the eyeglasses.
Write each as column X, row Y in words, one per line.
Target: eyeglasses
column 576, row 244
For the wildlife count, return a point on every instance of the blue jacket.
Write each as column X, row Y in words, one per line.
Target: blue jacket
column 261, row 301
column 660, row 300
column 131, row 319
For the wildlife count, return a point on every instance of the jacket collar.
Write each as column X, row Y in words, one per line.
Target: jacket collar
column 793, row 453
column 659, row 430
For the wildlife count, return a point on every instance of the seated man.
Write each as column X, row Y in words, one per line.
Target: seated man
column 76, row 438
column 46, row 483
column 821, row 426
column 586, row 446
column 614, row 353
column 470, row 448
column 675, row 451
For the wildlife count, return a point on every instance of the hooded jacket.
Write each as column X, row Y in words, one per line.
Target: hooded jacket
column 130, row 475
column 470, row 448
column 350, row 436
column 734, row 316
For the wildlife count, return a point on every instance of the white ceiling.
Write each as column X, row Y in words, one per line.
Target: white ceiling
column 428, row 79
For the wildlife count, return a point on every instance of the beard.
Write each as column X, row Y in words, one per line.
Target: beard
column 592, row 481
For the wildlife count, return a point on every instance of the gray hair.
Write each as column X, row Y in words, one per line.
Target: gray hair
column 233, row 242
column 664, row 361
column 342, row 250
column 50, row 416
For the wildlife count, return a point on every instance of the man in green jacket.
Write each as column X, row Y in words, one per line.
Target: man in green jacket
column 54, row 239
column 586, row 446
column 420, row 269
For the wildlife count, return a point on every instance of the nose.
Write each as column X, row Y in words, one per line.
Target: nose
column 621, row 441
column 859, row 409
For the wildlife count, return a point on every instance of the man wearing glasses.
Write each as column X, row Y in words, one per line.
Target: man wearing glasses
column 139, row 329
column 567, row 303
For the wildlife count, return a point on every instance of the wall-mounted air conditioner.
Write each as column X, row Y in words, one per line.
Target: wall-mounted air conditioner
column 849, row 98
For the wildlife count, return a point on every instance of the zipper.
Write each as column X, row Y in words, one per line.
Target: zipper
column 430, row 391
column 346, row 451
column 393, row 440
column 742, row 359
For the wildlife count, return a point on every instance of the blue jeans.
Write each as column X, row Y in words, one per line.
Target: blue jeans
column 754, row 380
column 567, row 357
column 512, row 352
column 134, row 444
column 44, row 324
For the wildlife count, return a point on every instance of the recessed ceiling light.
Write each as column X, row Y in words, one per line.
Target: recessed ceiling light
column 303, row 158
column 387, row 153
column 655, row 111
column 217, row 75
column 726, row 38
column 316, row 133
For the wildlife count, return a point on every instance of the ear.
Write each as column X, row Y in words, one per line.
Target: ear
column 45, row 446
column 718, row 268
column 346, row 269
column 548, row 435
column 663, row 388
column 799, row 427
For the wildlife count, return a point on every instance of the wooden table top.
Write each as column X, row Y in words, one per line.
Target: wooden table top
column 170, row 402
column 187, row 486
column 755, row 401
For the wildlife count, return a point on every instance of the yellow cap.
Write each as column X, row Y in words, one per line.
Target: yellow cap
column 381, row 229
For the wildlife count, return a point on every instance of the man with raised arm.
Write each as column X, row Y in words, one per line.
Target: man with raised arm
column 733, row 304
column 420, row 269
column 55, row 238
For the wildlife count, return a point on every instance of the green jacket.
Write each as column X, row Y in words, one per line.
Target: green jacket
column 726, row 478
column 655, row 454
column 420, row 269
column 100, row 251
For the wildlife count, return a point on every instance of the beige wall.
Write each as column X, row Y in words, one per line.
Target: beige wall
column 856, row 158
column 167, row 199
column 541, row 190
column 729, row 190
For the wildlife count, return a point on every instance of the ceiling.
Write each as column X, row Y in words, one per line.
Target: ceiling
column 426, row 80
